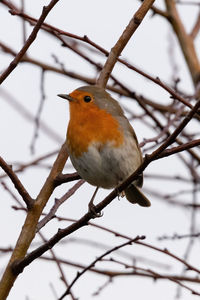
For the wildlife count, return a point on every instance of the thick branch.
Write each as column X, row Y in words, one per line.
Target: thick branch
column 122, row 42
column 29, row 228
column 18, row 266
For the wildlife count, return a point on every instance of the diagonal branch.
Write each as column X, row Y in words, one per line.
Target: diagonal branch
column 30, row 40
column 58, row 203
column 196, row 28
column 56, row 32
column 79, row 274
column 17, row 183
column 122, row 42
column 185, row 41
column 19, row 265
column 29, row 228
column 180, row 148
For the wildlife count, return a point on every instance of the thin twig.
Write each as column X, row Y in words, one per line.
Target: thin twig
column 30, row 40
column 17, row 183
column 23, row 22
column 185, row 41
column 26, row 114
column 57, row 204
column 79, row 274
column 21, row 264
column 156, row 80
column 38, row 114
column 196, row 28
column 58, row 263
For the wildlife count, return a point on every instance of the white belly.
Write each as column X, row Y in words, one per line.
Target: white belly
column 106, row 166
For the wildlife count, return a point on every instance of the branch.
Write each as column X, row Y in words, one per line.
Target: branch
column 155, row 275
column 123, row 40
column 29, row 228
column 58, row 263
column 196, row 28
column 17, row 183
column 177, row 236
column 188, row 2
column 112, row 273
column 57, row 204
column 30, row 40
column 123, row 92
column 18, row 266
column 180, row 148
column 51, row 29
column 185, row 41
column 158, row 11
column 79, row 274
column 26, row 114
column 63, row 178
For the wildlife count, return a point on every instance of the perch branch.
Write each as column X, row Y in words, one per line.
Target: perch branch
column 18, row 266
column 29, row 228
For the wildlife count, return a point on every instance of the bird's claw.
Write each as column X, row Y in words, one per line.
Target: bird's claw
column 92, row 210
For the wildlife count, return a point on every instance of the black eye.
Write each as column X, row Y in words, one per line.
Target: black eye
column 87, row 99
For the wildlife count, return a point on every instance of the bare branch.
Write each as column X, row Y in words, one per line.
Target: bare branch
column 180, row 148
column 156, row 80
column 63, row 178
column 57, row 204
column 28, row 115
column 17, row 183
column 122, row 42
column 20, row 265
column 185, row 41
column 38, row 114
column 58, row 263
column 196, row 28
column 30, row 40
column 79, row 274
column 29, row 229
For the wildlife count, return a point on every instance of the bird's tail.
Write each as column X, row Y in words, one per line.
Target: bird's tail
column 134, row 195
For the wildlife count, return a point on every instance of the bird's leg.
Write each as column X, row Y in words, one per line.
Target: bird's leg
column 120, row 194
column 91, row 207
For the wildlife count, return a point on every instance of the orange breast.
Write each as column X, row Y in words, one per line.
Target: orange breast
column 91, row 125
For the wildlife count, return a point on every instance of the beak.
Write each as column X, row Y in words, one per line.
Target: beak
column 65, row 96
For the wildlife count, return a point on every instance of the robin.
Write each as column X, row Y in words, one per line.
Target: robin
column 101, row 143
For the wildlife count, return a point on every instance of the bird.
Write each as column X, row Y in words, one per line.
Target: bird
column 101, row 142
